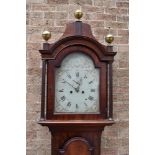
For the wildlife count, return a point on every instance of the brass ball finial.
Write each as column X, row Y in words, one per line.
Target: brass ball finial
column 46, row 35
column 78, row 14
column 109, row 38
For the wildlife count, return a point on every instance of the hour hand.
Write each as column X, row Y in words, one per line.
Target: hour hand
column 80, row 81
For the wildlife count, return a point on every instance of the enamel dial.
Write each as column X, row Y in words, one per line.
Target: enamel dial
column 77, row 85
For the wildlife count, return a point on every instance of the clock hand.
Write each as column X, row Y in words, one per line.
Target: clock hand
column 70, row 84
column 76, row 82
column 76, row 89
column 79, row 83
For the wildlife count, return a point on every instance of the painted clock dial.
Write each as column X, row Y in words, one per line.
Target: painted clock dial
column 77, row 85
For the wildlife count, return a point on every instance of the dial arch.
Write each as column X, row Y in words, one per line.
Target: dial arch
column 80, row 82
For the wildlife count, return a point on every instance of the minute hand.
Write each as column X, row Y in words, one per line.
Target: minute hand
column 76, row 82
column 79, row 82
column 76, row 89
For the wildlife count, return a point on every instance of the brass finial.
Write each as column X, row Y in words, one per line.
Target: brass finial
column 46, row 35
column 78, row 14
column 109, row 38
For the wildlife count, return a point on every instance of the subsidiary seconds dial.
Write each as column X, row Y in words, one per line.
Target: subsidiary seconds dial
column 77, row 85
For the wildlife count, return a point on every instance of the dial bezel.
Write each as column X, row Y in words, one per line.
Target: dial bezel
column 67, row 71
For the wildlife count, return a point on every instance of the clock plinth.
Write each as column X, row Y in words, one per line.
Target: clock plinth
column 76, row 101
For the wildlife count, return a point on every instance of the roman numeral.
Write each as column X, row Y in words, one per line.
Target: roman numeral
column 77, row 74
column 92, row 90
column 69, row 104
column 91, row 82
column 77, row 106
column 90, row 98
column 63, row 98
column 62, row 90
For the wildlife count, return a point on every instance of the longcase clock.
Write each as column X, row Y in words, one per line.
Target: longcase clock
column 76, row 99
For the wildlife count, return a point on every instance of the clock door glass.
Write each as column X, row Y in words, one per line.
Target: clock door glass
column 77, row 85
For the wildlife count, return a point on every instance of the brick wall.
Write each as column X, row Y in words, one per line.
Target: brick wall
column 53, row 15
